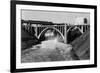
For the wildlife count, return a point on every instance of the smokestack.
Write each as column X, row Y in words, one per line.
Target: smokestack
column 85, row 20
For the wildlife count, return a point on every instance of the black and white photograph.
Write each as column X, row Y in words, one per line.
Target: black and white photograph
column 53, row 36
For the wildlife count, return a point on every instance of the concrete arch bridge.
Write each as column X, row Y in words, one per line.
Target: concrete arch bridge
column 63, row 29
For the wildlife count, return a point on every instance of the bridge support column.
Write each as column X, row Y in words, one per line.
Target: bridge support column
column 65, row 34
column 36, row 30
column 82, row 29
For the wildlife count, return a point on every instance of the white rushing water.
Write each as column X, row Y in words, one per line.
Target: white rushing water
column 53, row 44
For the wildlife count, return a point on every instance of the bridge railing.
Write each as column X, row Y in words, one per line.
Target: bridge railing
column 61, row 28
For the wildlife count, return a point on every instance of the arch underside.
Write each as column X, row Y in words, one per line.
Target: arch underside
column 53, row 29
column 61, row 34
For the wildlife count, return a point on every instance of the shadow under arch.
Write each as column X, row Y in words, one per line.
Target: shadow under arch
column 74, row 27
column 53, row 28
column 73, row 33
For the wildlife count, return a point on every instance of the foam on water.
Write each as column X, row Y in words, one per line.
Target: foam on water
column 49, row 44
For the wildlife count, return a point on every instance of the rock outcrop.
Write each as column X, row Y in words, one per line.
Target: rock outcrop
column 81, row 46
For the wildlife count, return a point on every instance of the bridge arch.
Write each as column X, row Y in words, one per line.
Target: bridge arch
column 51, row 28
column 74, row 27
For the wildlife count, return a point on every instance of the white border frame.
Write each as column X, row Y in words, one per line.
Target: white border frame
column 20, row 65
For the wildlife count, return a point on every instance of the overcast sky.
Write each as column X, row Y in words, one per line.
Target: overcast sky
column 51, row 16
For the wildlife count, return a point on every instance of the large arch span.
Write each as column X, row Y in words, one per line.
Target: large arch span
column 51, row 28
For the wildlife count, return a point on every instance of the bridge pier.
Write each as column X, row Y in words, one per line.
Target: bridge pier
column 65, row 33
column 36, row 31
column 82, row 28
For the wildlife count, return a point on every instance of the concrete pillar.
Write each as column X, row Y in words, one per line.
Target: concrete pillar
column 65, row 34
column 82, row 28
column 36, row 30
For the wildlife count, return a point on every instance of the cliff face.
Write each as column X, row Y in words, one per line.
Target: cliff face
column 81, row 46
column 27, row 39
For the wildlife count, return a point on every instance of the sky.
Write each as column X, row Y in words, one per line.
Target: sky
column 53, row 16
